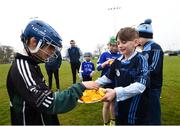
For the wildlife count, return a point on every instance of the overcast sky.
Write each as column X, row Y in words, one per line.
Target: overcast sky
column 91, row 22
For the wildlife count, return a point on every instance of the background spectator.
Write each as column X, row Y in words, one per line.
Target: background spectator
column 74, row 55
column 52, row 67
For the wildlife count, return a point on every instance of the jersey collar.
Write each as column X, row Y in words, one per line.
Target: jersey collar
column 132, row 55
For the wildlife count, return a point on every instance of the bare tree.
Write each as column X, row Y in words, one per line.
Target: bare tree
column 6, row 54
column 98, row 50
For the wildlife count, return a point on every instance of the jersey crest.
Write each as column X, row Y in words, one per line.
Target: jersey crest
column 117, row 72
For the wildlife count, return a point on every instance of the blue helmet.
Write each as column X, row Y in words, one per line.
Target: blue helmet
column 43, row 33
column 87, row 54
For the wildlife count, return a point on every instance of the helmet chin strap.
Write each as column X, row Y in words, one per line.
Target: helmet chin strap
column 37, row 47
column 26, row 48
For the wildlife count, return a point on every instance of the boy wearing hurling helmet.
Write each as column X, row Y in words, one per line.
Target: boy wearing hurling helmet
column 31, row 100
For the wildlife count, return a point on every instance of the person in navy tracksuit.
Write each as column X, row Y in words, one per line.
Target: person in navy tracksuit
column 87, row 68
column 53, row 68
column 154, row 55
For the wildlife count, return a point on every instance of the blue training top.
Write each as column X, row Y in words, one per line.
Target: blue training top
column 154, row 54
column 86, row 68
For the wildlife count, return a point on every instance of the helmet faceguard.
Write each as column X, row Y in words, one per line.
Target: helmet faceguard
column 46, row 38
column 44, row 50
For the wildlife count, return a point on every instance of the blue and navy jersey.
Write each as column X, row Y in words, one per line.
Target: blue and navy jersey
column 104, row 57
column 86, row 68
column 124, row 73
column 154, row 54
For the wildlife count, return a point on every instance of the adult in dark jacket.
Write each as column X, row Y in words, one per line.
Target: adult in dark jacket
column 52, row 67
column 74, row 55
column 31, row 100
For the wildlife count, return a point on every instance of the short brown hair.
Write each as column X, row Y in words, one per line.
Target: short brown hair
column 127, row 34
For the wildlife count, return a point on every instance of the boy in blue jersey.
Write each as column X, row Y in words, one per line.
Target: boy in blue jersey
column 106, row 58
column 87, row 68
column 154, row 55
column 130, row 74
column 103, row 65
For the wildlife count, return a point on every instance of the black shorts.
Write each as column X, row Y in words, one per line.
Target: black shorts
column 87, row 78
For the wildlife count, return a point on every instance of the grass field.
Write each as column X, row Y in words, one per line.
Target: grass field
column 90, row 114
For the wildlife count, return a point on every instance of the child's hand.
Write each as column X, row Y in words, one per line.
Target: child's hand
column 91, row 74
column 90, row 84
column 110, row 61
column 109, row 95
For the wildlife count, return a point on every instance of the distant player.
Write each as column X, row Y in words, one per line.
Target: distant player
column 87, row 68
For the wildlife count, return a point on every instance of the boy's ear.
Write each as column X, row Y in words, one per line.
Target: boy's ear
column 136, row 42
column 32, row 42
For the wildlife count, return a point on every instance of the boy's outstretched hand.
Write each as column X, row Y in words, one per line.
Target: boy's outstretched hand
column 90, row 84
column 109, row 95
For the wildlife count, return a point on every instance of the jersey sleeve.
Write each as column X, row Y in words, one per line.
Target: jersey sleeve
column 157, row 61
column 31, row 87
column 34, row 91
column 66, row 100
column 142, row 76
column 123, row 93
column 101, row 60
column 81, row 70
